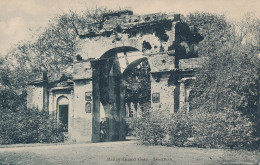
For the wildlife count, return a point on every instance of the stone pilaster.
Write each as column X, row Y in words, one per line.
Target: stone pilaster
column 182, row 97
column 96, row 102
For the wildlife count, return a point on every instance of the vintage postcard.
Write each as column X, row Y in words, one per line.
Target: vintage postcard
column 129, row 82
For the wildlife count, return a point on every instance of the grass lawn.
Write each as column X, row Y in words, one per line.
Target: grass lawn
column 127, row 152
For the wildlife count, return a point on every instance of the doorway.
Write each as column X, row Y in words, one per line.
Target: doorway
column 63, row 117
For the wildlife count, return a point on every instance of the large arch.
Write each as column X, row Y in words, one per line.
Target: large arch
column 114, row 62
column 109, row 90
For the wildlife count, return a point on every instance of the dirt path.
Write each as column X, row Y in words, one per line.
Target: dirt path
column 127, row 152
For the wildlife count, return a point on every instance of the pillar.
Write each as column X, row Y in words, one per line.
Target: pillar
column 184, row 93
column 182, row 96
column 138, row 110
column 51, row 104
column 132, row 108
column 71, row 114
column 45, row 93
column 127, row 109
column 96, row 102
column 122, row 113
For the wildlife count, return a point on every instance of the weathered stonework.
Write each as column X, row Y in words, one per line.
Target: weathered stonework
column 104, row 51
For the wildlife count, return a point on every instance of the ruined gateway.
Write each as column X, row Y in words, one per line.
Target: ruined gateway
column 105, row 52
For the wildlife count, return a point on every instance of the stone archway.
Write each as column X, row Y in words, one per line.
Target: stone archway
column 109, row 90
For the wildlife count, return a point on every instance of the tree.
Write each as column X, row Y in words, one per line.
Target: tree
column 215, row 29
column 138, row 83
column 248, row 31
column 229, row 81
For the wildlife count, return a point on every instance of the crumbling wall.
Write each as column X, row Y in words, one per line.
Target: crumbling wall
column 148, row 33
column 162, row 94
column 82, row 119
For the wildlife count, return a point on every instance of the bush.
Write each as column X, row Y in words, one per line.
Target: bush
column 222, row 129
column 151, row 128
column 29, row 126
column 197, row 129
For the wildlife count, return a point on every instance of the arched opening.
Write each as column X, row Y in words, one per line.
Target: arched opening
column 113, row 63
column 109, row 91
column 63, row 112
column 137, row 90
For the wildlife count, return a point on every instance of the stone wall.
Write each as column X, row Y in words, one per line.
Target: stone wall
column 191, row 63
column 148, row 43
column 160, row 88
column 82, row 121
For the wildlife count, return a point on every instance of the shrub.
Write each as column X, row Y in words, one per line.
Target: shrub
column 222, row 129
column 152, row 127
column 198, row 129
column 29, row 126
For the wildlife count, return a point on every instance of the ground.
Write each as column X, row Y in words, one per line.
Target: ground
column 126, row 152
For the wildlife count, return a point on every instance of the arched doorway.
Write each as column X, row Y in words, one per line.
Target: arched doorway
column 109, row 90
column 63, row 112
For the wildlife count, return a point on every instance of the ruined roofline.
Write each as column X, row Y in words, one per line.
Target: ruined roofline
column 118, row 14
column 126, row 23
column 171, row 52
column 124, row 30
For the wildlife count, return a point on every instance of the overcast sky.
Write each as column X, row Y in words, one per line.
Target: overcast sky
column 18, row 16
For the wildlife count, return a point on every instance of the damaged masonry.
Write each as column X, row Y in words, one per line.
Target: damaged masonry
column 106, row 51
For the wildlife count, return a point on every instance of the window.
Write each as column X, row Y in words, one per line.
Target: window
column 88, row 96
column 88, row 107
column 156, row 97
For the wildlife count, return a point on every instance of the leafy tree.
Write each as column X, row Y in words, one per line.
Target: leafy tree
column 230, row 76
column 138, row 83
column 229, row 80
column 215, row 29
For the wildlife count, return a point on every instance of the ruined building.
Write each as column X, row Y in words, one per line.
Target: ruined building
column 105, row 52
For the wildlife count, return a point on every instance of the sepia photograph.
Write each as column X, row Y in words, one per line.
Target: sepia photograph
column 138, row 82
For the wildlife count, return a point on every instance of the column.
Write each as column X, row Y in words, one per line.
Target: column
column 71, row 115
column 127, row 110
column 96, row 102
column 182, row 96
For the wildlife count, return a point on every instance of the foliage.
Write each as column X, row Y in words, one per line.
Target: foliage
column 215, row 29
column 28, row 126
column 197, row 129
column 229, row 79
column 51, row 50
column 138, row 84
column 224, row 96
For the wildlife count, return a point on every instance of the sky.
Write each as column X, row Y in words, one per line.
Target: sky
column 20, row 19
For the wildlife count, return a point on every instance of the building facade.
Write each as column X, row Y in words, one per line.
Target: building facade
column 94, row 87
